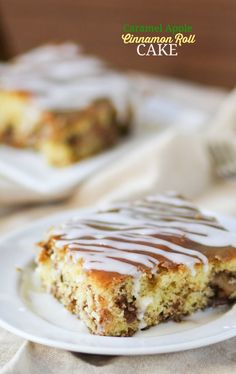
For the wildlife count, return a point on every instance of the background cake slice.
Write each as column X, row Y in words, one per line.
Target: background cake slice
column 139, row 263
column 63, row 103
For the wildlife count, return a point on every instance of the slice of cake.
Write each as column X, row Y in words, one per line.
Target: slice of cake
column 62, row 103
column 139, row 263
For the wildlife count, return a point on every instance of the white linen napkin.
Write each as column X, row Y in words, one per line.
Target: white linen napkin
column 224, row 120
column 174, row 160
column 222, row 128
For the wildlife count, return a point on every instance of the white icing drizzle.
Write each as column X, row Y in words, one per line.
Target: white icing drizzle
column 142, row 234
column 60, row 77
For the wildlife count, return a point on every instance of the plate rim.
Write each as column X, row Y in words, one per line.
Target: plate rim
column 127, row 351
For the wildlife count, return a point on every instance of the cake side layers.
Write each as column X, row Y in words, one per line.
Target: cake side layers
column 139, row 263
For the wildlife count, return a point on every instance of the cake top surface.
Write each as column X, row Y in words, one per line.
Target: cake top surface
column 143, row 235
column 61, row 76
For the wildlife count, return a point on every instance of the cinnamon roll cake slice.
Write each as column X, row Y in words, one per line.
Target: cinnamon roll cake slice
column 63, row 104
column 139, row 263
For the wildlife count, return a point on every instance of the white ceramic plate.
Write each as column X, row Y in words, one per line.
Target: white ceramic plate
column 38, row 317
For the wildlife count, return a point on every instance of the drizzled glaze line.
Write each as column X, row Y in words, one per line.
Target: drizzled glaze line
column 142, row 234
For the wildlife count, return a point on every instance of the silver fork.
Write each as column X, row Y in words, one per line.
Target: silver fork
column 223, row 157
